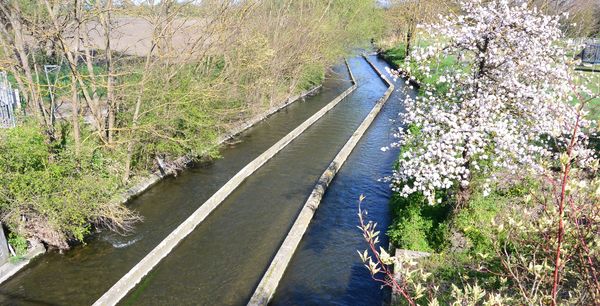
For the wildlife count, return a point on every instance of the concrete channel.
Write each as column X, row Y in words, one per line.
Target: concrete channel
column 268, row 284
column 325, row 268
column 82, row 275
column 224, row 256
column 120, row 289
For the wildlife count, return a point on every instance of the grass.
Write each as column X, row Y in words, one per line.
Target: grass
column 592, row 81
column 395, row 56
column 438, row 66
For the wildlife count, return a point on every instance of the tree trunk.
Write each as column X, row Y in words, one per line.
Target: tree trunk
column 96, row 112
column 75, row 117
column 75, row 95
column 464, row 192
column 138, row 103
column 408, row 43
column 110, row 95
column 34, row 101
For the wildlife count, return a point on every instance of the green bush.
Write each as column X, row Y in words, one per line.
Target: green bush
column 417, row 225
column 395, row 56
column 474, row 221
column 311, row 76
column 48, row 193
column 19, row 243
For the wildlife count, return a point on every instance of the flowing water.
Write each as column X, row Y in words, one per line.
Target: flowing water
column 326, row 270
column 222, row 261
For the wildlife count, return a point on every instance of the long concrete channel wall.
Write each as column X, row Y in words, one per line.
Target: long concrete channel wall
column 268, row 284
column 143, row 267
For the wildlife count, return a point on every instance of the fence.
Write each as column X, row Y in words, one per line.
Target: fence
column 591, row 53
column 9, row 102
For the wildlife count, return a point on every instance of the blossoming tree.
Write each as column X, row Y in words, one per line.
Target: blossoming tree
column 510, row 101
column 502, row 109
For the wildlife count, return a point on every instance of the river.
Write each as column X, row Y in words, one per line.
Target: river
column 222, row 261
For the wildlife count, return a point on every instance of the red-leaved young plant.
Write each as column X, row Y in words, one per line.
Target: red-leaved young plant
column 381, row 268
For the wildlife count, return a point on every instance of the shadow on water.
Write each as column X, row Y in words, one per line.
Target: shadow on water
column 326, row 269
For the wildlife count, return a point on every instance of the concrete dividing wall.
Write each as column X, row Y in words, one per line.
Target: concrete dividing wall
column 268, row 284
column 11, row 268
column 135, row 275
column 252, row 122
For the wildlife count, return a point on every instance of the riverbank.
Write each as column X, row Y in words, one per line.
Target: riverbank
column 170, row 203
column 36, row 248
column 505, row 210
column 182, row 162
column 113, row 106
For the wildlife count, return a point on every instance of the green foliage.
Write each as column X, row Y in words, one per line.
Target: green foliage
column 49, row 193
column 410, row 228
column 258, row 55
column 179, row 118
column 502, row 245
column 395, row 56
column 58, row 81
column 510, row 255
column 473, row 221
column 311, row 76
column 417, row 225
column 24, row 149
column 439, row 67
column 353, row 23
column 19, row 243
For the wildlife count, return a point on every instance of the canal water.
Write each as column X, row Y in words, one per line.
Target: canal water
column 222, row 261
column 326, row 270
column 83, row 274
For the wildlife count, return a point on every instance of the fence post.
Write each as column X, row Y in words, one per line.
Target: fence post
column 17, row 99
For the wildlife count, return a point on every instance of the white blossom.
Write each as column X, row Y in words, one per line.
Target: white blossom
column 498, row 112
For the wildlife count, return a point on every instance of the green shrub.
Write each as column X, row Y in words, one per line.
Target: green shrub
column 48, row 193
column 311, row 76
column 417, row 225
column 395, row 56
column 474, row 221
column 19, row 244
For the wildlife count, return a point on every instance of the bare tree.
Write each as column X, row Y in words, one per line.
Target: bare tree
column 402, row 18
